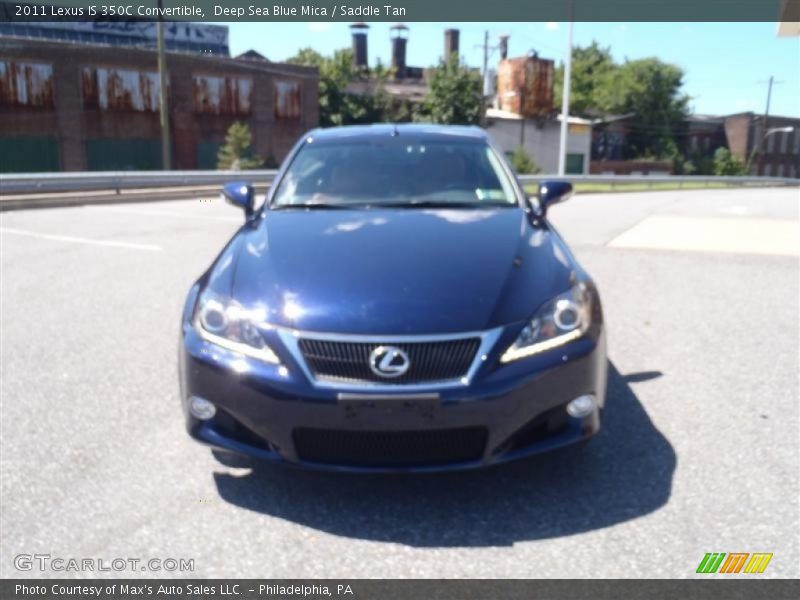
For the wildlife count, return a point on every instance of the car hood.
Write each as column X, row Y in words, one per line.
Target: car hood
column 398, row 271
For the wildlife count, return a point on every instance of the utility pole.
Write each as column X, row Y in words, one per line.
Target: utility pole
column 163, row 106
column 762, row 142
column 485, row 54
column 765, row 128
column 487, row 51
column 482, row 120
column 769, row 95
column 562, row 150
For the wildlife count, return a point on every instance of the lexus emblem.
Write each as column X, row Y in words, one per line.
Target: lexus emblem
column 389, row 361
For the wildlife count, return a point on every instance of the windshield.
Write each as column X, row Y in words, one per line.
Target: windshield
column 394, row 172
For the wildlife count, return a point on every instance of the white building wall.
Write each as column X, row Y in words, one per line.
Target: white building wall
column 541, row 141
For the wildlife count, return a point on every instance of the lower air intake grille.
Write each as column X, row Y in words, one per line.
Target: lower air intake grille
column 428, row 361
column 390, row 448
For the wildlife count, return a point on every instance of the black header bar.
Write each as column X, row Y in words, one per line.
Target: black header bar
column 403, row 10
column 743, row 587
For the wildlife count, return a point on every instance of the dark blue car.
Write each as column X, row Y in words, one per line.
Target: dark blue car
column 397, row 303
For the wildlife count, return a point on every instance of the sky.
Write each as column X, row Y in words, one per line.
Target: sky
column 726, row 65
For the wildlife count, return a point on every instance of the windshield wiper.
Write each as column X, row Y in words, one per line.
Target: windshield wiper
column 380, row 205
column 445, row 204
column 318, row 206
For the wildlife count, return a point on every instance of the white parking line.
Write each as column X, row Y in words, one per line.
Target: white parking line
column 163, row 213
column 80, row 240
column 742, row 235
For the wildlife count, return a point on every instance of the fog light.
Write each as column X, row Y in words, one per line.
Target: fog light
column 201, row 408
column 581, row 407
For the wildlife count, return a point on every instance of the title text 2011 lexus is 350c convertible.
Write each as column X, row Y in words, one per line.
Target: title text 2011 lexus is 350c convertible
column 396, row 303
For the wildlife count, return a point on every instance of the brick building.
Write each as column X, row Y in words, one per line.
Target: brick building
column 772, row 150
column 774, row 144
column 702, row 135
column 82, row 106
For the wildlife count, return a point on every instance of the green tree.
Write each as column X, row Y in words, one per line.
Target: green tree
column 337, row 105
column 648, row 88
column 454, row 96
column 651, row 90
column 592, row 68
column 726, row 163
column 697, row 163
column 236, row 153
column 388, row 108
column 523, row 163
column 307, row 57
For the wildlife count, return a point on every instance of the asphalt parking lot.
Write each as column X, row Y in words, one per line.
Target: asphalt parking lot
column 700, row 451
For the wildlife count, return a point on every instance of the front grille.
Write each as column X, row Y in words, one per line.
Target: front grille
column 349, row 361
column 390, row 448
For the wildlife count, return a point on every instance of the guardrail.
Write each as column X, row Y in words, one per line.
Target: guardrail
column 117, row 181
column 652, row 179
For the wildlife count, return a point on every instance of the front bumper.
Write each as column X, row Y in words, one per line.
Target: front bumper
column 507, row 412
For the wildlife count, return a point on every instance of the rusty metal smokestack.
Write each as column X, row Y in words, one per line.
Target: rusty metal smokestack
column 359, row 31
column 450, row 44
column 399, row 35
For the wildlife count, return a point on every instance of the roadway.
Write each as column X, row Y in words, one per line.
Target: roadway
column 700, row 451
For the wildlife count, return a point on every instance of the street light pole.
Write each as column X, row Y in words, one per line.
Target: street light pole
column 562, row 149
column 163, row 107
column 482, row 117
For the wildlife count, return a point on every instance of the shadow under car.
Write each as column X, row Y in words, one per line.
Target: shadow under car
column 625, row 472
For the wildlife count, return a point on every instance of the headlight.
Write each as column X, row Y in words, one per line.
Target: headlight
column 563, row 319
column 224, row 322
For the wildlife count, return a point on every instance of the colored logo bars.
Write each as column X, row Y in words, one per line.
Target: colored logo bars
column 714, row 562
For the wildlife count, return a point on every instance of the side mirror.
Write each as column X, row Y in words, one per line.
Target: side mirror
column 553, row 192
column 240, row 194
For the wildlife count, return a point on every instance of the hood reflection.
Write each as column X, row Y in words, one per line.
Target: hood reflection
column 348, row 226
column 461, row 216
